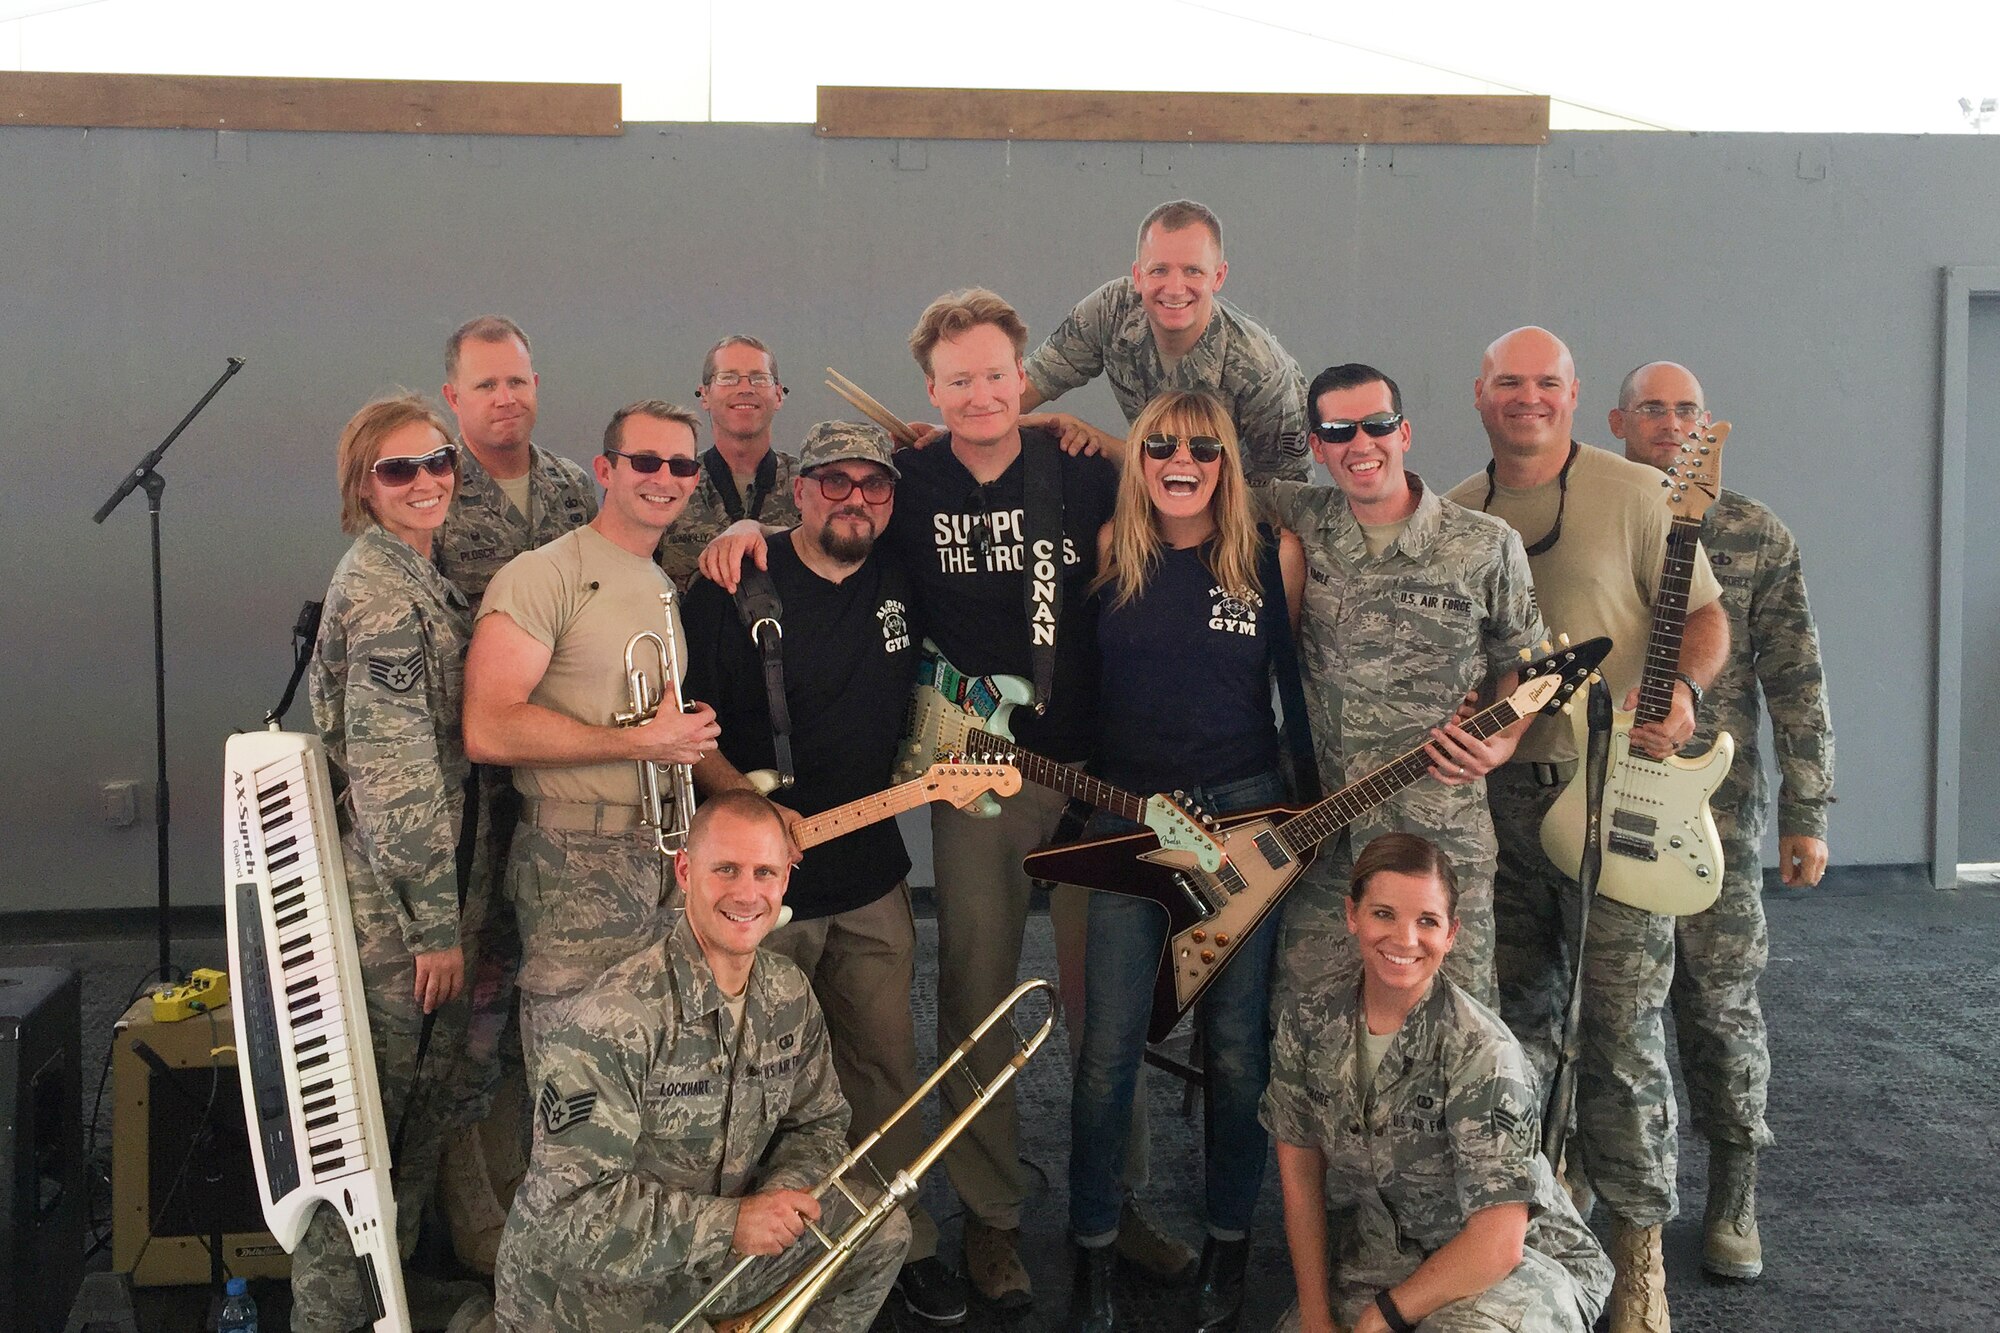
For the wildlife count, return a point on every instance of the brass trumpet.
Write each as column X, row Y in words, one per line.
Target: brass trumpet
column 783, row 1312
column 666, row 791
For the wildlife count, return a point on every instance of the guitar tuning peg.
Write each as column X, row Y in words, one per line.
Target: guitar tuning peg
column 1563, row 639
column 1527, row 654
column 1569, row 709
column 1544, row 647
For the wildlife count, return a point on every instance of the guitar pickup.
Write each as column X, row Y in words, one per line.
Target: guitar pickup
column 1631, row 821
column 1639, row 849
column 1274, row 851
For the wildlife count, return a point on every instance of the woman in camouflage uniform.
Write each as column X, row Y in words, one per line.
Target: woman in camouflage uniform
column 1406, row 1128
column 386, row 688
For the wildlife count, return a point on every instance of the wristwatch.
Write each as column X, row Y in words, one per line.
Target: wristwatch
column 1694, row 690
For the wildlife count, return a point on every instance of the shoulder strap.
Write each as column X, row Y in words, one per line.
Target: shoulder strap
column 723, row 482
column 766, row 482
column 1042, row 530
column 305, row 638
column 762, row 613
column 1285, row 665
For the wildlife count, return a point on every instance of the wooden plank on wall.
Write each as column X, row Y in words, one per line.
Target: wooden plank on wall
column 380, row 106
column 982, row 113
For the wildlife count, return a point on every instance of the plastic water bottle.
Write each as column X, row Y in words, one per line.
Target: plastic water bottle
column 239, row 1309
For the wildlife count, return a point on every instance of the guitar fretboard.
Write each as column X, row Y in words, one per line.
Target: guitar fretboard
column 1663, row 644
column 1045, row 772
column 1315, row 825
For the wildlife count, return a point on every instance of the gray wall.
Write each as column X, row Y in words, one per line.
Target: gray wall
column 1799, row 276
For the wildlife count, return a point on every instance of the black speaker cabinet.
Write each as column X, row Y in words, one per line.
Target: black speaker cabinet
column 180, row 1160
column 42, row 1208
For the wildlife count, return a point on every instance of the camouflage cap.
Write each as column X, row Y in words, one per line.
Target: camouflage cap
column 831, row 441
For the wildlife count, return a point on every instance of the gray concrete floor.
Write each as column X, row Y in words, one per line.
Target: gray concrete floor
column 1879, row 1203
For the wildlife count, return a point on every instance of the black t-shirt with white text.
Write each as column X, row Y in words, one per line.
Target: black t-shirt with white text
column 965, row 548
column 850, row 660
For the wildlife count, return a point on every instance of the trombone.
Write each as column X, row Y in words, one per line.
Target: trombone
column 666, row 791
column 783, row 1312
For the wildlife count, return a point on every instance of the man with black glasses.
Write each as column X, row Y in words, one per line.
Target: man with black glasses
column 544, row 682
column 1412, row 604
column 1597, row 527
column 742, row 476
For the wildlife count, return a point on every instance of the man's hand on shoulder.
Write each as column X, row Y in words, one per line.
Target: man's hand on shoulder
column 768, row 1222
column 722, row 559
column 1077, row 436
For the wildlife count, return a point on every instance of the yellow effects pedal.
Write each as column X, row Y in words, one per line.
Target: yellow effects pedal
column 206, row 990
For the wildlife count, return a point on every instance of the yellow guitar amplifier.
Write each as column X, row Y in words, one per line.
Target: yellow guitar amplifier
column 180, row 1160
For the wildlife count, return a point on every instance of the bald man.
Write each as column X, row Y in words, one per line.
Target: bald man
column 1596, row 530
column 1720, row 953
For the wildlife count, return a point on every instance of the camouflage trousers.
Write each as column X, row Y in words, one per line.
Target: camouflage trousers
column 862, row 965
column 1719, row 956
column 1316, row 951
column 584, row 901
column 583, row 1303
column 1626, row 1121
column 1539, row 1296
column 419, row 1105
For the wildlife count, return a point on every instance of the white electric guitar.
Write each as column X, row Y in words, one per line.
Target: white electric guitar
column 1661, row 849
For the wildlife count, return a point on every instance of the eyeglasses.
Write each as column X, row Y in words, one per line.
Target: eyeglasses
column 729, row 379
column 1554, row 534
column 1655, row 411
column 837, row 486
column 403, row 470
column 1379, row 425
column 680, row 465
column 1201, row 448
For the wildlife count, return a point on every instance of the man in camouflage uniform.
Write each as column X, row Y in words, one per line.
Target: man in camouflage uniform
column 1164, row 328
column 544, row 683
column 386, row 685
column 1410, row 602
column 742, row 476
column 1720, row 953
column 688, row 1108
column 1597, row 525
column 513, row 495
column 1446, row 1128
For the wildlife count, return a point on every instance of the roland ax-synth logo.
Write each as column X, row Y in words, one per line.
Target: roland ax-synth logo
column 239, row 846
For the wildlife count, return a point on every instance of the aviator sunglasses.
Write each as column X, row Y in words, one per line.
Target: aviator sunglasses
column 402, row 471
column 680, row 465
column 1379, row 425
column 1201, row 448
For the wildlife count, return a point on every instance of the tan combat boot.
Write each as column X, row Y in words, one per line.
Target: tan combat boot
column 465, row 1194
column 993, row 1266
column 1639, row 1290
column 1729, row 1243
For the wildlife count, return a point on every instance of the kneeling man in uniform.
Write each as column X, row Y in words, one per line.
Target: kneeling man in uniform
column 688, row 1105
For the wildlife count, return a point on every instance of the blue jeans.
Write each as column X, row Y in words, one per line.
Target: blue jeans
column 1126, row 939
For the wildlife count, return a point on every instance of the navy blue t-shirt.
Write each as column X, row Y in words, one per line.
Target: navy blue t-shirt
column 964, row 547
column 1185, row 699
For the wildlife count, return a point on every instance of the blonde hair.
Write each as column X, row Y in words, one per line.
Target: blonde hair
column 955, row 312
column 1136, row 544
column 361, row 440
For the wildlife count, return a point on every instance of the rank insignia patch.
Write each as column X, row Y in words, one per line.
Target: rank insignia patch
column 561, row 1113
column 399, row 674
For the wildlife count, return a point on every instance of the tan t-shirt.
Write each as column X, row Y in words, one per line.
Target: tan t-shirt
column 1600, row 576
column 1379, row 537
column 583, row 598
column 516, row 491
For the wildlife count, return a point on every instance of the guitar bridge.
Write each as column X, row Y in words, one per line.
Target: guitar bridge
column 1196, row 898
column 1639, row 849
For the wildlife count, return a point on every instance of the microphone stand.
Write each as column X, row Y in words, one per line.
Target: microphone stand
column 1596, row 768
column 146, row 476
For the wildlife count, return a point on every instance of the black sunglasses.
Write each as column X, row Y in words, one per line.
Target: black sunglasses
column 1201, row 448
column 1379, row 425
column 402, row 471
column 680, row 465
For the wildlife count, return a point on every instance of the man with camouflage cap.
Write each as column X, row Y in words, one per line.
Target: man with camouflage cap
column 1411, row 602
column 544, row 682
column 514, row 495
column 687, row 1110
column 1164, row 328
column 742, row 476
column 848, row 654
column 1720, row 953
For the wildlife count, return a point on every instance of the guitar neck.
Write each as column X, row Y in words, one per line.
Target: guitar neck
column 1318, row 823
column 830, row 824
column 1663, row 644
column 1046, row 772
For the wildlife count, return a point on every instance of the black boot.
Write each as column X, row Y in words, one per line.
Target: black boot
column 1091, row 1308
column 1219, row 1300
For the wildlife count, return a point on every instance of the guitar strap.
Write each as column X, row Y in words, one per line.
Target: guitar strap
column 761, row 610
column 724, row 483
column 1277, row 622
column 1042, row 574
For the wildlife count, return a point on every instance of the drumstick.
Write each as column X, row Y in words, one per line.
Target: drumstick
column 899, row 430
